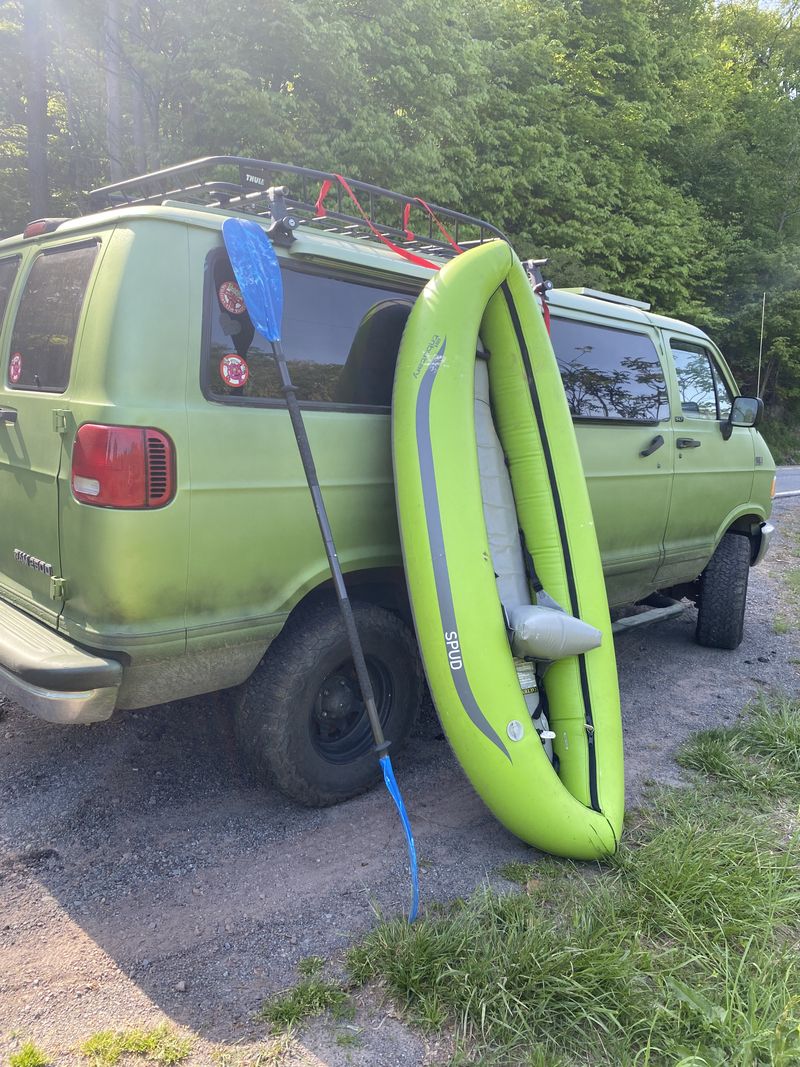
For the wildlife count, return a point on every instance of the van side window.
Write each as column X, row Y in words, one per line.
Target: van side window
column 8, row 272
column 47, row 319
column 704, row 394
column 724, row 395
column 609, row 373
column 340, row 337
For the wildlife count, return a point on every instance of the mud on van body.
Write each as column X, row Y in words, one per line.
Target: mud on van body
column 158, row 538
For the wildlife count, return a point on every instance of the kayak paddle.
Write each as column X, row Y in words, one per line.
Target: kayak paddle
column 258, row 275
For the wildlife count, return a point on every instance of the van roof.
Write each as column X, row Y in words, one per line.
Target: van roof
column 309, row 242
column 627, row 311
column 315, row 244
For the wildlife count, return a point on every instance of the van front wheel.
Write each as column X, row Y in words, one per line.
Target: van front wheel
column 300, row 718
column 723, row 594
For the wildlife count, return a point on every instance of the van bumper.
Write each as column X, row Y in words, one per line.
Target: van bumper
column 767, row 530
column 49, row 676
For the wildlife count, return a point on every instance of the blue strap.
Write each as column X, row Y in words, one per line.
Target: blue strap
column 394, row 792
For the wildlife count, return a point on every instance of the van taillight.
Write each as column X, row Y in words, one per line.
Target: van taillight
column 122, row 467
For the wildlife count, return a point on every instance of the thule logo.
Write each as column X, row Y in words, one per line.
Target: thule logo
column 254, row 179
column 27, row 560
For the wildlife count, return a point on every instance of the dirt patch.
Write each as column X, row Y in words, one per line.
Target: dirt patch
column 144, row 879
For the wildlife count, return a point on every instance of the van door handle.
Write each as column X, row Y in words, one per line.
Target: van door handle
column 654, row 445
column 8, row 415
column 688, row 442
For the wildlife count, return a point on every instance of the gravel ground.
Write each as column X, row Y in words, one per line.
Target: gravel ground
column 144, row 879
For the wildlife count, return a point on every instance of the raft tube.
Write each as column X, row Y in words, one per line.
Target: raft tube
column 520, row 666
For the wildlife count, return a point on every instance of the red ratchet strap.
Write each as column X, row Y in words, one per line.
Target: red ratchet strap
column 319, row 207
column 442, row 230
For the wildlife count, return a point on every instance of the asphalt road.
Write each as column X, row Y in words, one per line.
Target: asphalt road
column 788, row 479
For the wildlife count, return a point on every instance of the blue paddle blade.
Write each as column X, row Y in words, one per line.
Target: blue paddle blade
column 396, row 795
column 258, row 274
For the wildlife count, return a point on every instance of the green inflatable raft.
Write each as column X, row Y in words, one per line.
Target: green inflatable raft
column 501, row 558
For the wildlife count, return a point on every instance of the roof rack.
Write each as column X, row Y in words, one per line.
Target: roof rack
column 243, row 184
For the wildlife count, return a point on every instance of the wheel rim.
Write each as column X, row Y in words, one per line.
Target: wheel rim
column 339, row 725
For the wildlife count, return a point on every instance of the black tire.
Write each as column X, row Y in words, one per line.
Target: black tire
column 300, row 719
column 723, row 594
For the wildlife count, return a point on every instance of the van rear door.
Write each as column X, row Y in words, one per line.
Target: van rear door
column 39, row 335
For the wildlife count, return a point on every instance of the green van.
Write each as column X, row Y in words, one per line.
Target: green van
column 158, row 539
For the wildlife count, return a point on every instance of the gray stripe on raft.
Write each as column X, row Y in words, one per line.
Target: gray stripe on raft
column 433, row 521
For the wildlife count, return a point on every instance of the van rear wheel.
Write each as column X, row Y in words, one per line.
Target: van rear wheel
column 723, row 594
column 300, row 718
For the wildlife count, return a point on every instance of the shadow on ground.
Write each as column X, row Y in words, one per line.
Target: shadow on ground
column 143, row 874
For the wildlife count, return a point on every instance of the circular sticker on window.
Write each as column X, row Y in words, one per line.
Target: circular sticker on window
column 230, row 296
column 234, row 371
column 15, row 368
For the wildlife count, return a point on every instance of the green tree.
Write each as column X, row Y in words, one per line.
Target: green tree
column 646, row 146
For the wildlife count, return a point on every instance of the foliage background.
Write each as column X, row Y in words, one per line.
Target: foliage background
column 650, row 147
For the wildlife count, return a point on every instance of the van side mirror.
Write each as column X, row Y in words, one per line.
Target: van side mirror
column 745, row 411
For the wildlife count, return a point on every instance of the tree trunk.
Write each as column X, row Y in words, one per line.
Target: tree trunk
column 139, row 151
column 154, row 111
column 35, row 45
column 137, row 101
column 111, row 53
column 63, row 80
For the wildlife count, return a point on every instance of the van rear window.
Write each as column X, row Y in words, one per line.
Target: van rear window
column 8, row 272
column 47, row 319
column 609, row 373
column 340, row 337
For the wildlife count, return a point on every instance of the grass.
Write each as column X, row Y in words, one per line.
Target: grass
column 274, row 1054
column 781, row 625
column 157, row 1045
column 28, row 1056
column 683, row 949
column 311, row 996
column 311, row 966
column 760, row 757
column 516, row 872
column 348, row 1038
column 792, row 579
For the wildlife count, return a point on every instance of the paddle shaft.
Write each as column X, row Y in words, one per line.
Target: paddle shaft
column 303, row 446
